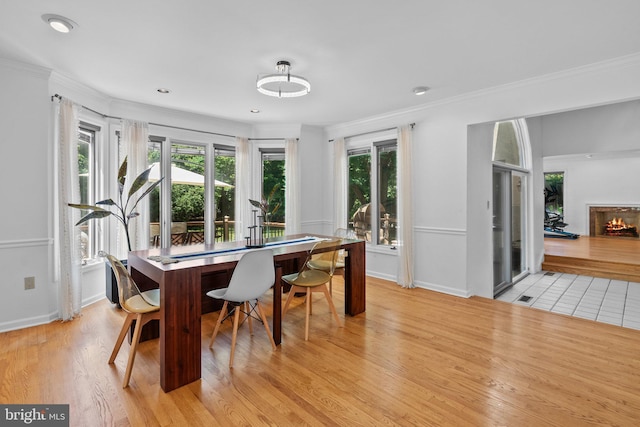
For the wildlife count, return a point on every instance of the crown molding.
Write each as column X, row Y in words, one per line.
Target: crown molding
column 25, row 67
column 398, row 117
column 78, row 92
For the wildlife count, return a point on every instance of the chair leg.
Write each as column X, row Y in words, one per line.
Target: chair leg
column 223, row 312
column 331, row 285
column 308, row 313
column 123, row 333
column 266, row 324
column 331, row 305
column 133, row 350
column 236, row 321
column 247, row 309
column 292, row 291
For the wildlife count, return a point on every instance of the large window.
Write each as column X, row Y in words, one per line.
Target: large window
column 191, row 203
column 273, row 186
column 373, row 213
column 87, row 180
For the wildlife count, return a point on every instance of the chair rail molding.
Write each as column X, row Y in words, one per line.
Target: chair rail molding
column 441, row 230
column 25, row 243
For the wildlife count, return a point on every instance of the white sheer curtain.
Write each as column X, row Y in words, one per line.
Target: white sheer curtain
column 292, row 186
column 405, row 208
column 242, row 187
column 340, row 183
column 66, row 234
column 135, row 139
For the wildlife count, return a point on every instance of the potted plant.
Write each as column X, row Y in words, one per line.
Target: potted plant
column 124, row 210
column 265, row 207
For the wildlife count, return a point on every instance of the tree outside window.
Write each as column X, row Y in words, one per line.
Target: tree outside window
column 372, row 199
column 86, row 181
column 273, row 189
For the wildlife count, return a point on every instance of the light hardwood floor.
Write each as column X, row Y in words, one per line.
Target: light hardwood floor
column 414, row 358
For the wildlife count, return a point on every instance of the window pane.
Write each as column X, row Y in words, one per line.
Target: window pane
column 554, row 192
column 86, row 140
column 387, row 196
column 225, row 195
column 506, row 147
column 154, row 197
column 273, row 182
column 360, row 195
column 187, row 194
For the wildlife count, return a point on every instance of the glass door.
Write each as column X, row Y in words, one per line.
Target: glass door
column 501, row 231
column 508, row 228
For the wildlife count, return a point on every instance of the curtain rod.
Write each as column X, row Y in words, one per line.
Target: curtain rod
column 372, row 131
column 106, row 116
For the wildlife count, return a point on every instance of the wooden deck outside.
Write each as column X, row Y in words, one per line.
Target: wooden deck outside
column 612, row 258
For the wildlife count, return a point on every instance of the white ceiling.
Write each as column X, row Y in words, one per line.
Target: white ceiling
column 362, row 57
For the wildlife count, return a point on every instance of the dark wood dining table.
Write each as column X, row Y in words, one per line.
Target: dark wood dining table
column 180, row 293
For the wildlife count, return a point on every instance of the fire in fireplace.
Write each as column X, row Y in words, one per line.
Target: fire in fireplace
column 617, row 227
column 614, row 221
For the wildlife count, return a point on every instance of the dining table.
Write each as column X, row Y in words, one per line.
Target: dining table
column 178, row 272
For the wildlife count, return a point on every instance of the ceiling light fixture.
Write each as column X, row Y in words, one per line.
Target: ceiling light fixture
column 59, row 23
column 254, row 110
column 420, row 90
column 284, row 84
column 163, row 90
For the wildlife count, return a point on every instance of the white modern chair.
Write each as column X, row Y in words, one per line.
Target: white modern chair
column 253, row 276
column 139, row 306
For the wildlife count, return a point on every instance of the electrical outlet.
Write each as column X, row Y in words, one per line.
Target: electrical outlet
column 29, row 283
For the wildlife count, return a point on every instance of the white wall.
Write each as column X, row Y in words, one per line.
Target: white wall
column 601, row 180
column 598, row 149
column 448, row 202
column 450, row 179
column 25, row 235
column 602, row 129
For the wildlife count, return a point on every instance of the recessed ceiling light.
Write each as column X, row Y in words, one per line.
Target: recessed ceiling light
column 59, row 23
column 420, row 90
column 163, row 90
column 254, row 110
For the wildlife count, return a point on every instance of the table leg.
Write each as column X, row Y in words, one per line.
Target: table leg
column 355, row 280
column 277, row 307
column 180, row 326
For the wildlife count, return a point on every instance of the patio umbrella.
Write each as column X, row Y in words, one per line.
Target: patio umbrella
column 182, row 176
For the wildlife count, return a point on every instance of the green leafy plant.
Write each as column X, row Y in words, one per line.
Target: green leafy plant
column 124, row 210
column 265, row 204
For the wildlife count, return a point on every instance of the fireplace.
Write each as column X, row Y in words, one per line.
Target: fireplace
column 614, row 221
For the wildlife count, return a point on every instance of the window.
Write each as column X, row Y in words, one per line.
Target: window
column 273, row 186
column 190, row 204
column 225, row 196
column 364, row 205
column 554, row 193
column 87, row 181
column 506, row 144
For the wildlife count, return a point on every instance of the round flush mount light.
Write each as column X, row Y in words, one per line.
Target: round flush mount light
column 254, row 110
column 420, row 90
column 59, row 23
column 283, row 84
column 163, row 90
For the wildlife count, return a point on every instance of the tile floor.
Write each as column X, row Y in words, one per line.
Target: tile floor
column 604, row 300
